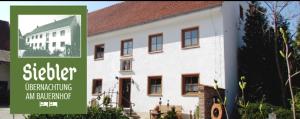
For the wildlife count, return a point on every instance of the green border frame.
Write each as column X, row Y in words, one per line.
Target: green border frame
column 18, row 104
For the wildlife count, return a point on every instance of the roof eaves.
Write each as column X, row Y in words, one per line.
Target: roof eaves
column 162, row 18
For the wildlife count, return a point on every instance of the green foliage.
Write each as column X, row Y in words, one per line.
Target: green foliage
column 37, row 52
column 93, row 113
column 261, row 111
column 258, row 56
column 171, row 114
column 56, row 53
column 297, row 102
column 197, row 113
column 106, row 101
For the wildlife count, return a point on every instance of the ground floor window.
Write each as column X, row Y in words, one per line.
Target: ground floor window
column 190, row 84
column 155, row 85
column 97, row 86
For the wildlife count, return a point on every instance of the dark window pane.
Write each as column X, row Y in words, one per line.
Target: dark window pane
column 191, row 84
column 99, row 51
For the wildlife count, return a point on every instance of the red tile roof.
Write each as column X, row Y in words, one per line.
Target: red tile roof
column 132, row 13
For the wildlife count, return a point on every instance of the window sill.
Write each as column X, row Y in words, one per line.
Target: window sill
column 126, row 56
column 190, row 47
column 154, row 52
column 155, row 95
column 98, row 59
column 125, row 71
column 190, row 95
column 95, row 94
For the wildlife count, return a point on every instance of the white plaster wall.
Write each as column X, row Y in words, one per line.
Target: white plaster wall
column 233, row 32
column 58, row 39
column 171, row 64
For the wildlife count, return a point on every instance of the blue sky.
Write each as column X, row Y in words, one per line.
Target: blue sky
column 291, row 12
column 91, row 5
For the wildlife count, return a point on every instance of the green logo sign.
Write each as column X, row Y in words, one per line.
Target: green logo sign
column 48, row 60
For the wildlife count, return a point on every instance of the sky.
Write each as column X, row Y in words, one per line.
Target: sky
column 291, row 13
column 91, row 5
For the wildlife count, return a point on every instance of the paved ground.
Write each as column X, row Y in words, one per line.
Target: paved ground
column 4, row 114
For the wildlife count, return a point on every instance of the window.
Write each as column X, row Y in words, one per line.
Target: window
column 54, row 44
column 99, row 51
column 190, row 84
column 47, row 35
column 62, row 44
column 41, row 36
column 36, row 37
column 62, row 33
column 97, row 86
column 40, row 44
column 54, row 34
column 32, row 37
column 241, row 13
column 35, row 44
column 27, row 39
column 154, row 85
column 126, row 65
column 126, row 47
column 190, row 37
column 155, row 42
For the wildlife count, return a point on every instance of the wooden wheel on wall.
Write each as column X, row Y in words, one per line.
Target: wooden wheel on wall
column 216, row 111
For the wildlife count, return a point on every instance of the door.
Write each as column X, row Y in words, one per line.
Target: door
column 4, row 93
column 124, row 89
column 47, row 46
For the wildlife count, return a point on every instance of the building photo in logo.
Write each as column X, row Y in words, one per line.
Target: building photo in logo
column 51, row 36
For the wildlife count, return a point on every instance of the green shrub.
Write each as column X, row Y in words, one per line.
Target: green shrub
column 93, row 113
column 282, row 113
column 197, row 113
column 171, row 114
column 261, row 111
column 37, row 52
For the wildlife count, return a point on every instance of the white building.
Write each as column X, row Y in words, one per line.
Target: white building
column 55, row 36
column 152, row 50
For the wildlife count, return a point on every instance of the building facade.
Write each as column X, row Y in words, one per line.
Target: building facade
column 4, row 64
column 152, row 51
column 55, row 36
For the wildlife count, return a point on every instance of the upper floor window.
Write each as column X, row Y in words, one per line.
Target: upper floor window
column 126, row 47
column 99, row 51
column 54, row 44
column 126, row 64
column 41, row 36
column 47, row 35
column 62, row 33
column 36, row 36
column 97, row 86
column 154, row 85
column 32, row 37
column 155, row 42
column 27, row 39
column 190, row 84
column 54, row 34
column 190, row 37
